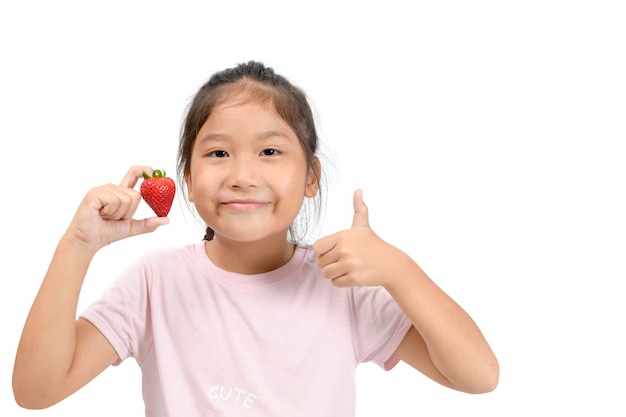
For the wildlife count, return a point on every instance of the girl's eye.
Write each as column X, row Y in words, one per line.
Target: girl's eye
column 219, row 154
column 269, row 152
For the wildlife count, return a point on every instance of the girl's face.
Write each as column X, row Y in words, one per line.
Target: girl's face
column 248, row 175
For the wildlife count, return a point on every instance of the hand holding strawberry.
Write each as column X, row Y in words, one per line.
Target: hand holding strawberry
column 106, row 213
column 158, row 191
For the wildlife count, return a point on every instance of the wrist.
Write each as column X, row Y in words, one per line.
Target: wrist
column 70, row 243
column 402, row 272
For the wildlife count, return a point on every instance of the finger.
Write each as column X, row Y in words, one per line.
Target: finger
column 361, row 215
column 342, row 281
column 115, row 203
column 134, row 198
column 325, row 244
column 149, row 225
column 112, row 207
column 129, row 200
column 333, row 270
column 133, row 175
column 328, row 258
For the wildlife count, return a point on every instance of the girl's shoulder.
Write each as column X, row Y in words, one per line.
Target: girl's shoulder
column 171, row 258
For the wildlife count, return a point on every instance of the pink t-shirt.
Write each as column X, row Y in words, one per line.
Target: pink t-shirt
column 215, row 343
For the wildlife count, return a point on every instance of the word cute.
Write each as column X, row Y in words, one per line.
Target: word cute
column 239, row 396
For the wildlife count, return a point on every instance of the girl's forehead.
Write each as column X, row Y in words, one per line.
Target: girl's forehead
column 245, row 111
column 252, row 106
column 244, row 98
column 248, row 118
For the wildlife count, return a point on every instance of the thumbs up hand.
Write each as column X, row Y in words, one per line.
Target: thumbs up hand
column 357, row 256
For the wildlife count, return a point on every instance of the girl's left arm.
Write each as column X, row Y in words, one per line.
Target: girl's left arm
column 444, row 343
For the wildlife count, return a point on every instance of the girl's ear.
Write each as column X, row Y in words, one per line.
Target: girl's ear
column 313, row 179
column 188, row 182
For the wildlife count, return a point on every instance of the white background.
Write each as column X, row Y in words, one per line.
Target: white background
column 489, row 138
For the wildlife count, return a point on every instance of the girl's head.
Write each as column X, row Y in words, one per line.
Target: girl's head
column 252, row 83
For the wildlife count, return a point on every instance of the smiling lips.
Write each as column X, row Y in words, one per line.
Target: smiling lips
column 244, row 205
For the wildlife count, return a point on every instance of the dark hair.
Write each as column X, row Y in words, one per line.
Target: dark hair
column 257, row 83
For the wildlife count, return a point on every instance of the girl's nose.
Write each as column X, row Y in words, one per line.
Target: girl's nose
column 243, row 173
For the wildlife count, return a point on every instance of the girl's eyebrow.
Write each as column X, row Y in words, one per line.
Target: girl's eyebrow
column 219, row 137
column 273, row 134
column 212, row 137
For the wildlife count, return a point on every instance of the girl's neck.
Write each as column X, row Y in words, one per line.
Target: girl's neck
column 249, row 258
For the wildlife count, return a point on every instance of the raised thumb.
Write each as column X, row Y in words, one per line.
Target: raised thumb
column 361, row 217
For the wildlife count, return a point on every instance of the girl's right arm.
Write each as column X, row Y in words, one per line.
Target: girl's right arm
column 58, row 354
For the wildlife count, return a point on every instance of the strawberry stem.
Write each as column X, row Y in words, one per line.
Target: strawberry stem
column 157, row 173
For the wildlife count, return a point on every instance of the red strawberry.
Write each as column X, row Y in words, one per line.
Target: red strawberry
column 158, row 191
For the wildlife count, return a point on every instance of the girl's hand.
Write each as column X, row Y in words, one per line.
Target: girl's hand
column 357, row 256
column 106, row 213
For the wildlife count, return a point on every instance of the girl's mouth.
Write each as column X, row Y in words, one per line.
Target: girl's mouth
column 245, row 205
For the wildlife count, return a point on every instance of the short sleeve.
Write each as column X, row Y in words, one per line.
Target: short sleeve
column 122, row 313
column 378, row 325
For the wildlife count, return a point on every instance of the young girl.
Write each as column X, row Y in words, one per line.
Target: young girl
column 247, row 322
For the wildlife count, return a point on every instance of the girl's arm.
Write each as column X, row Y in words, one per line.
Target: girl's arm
column 444, row 342
column 58, row 354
